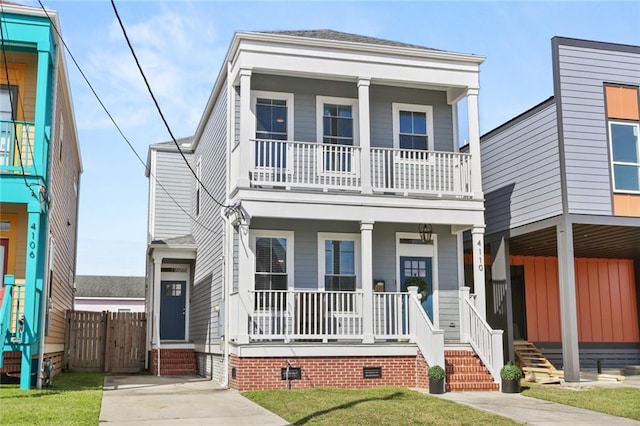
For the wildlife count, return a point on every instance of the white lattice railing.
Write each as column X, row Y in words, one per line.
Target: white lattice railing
column 485, row 341
column 421, row 172
column 429, row 340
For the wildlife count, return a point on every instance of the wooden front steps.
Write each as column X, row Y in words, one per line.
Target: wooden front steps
column 11, row 363
column 465, row 372
column 174, row 362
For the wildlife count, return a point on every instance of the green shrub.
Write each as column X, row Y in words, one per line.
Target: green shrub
column 436, row 372
column 511, row 372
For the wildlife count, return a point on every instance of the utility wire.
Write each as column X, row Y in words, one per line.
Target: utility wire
column 16, row 141
column 124, row 137
column 155, row 101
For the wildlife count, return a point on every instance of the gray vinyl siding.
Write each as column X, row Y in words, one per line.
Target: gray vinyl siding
column 582, row 74
column 520, row 172
column 173, row 174
column 384, row 259
column 381, row 98
column 209, row 272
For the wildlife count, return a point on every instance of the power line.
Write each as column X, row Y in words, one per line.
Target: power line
column 155, row 101
column 113, row 121
column 16, row 141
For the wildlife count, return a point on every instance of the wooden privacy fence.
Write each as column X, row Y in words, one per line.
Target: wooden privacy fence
column 113, row 342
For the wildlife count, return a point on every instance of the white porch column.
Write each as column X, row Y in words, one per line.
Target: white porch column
column 246, row 268
column 365, row 134
column 157, row 281
column 477, row 234
column 474, row 142
column 501, row 284
column 568, row 312
column 366, row 238
column 246, row 117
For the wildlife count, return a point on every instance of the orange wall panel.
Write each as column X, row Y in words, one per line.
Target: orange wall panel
column 626, row 205
column 622, row 102
column 542, row 298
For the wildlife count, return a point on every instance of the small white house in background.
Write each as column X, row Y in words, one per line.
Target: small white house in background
column 109, row 293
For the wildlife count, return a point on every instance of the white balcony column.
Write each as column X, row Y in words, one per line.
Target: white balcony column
column 246, row 118
column 365, row 134
column 474, row 142
column 477, row 234
column 366, row 242
column 246, row 283
column 568, row 311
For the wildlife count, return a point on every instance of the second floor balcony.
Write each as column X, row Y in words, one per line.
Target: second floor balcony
column 19, row 154
column 393, row 171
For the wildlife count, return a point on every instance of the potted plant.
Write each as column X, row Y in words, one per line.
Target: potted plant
column 419, row 282
column 436, row 379
column 510, row 375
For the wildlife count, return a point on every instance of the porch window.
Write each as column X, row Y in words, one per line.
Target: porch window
column 337, row 131
column 625, row 153
column 273, row 126
column 340, row 272
column 8, row 99
column 273, row 262
column 412, row 127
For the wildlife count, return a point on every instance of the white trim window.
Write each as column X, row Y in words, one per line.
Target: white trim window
column 625, row 156
column 273, row 252
column 412, row 127
column 272, row 127
column 337, row 130
column 338, row 261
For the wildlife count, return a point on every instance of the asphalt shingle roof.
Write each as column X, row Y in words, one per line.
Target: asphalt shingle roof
column 341, row 36
column 109, row 286
column 184, row 240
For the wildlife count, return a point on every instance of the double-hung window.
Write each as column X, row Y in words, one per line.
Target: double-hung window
column 273, row 260
column 337, row 129
column 624, row 130
column 338, row 266
column 273, row 113
column 8, row 102
column 413, row 129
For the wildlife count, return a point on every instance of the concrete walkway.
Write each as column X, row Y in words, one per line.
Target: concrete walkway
column 185, row 400
column 533, row 411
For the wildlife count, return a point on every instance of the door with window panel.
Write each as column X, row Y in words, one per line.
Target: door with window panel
column 271, row 134
column 337, row 137
column 271, row 284
column 8, row 99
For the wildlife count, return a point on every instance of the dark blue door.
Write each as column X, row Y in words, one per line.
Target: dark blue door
column 172, row 310
column 418, row 267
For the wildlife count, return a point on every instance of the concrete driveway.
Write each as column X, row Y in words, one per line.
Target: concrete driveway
column 128, row 400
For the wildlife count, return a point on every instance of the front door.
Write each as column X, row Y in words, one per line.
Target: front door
column 411, row 266
column 172, row 310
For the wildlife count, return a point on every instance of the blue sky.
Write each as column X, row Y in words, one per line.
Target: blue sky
column 181, row 46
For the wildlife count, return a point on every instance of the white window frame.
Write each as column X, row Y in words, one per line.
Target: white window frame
column 612, row 163
column 427, row 109
column 353, row 102
column 322, row 238
column 198, row 188
column 264, row 233
column 280, row 96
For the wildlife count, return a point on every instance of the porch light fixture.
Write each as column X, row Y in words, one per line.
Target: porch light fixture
column 425, row 231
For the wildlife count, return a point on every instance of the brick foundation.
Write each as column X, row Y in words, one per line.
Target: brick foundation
column 342, row 372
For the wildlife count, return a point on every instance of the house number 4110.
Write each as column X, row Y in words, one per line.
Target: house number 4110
column 480, row 257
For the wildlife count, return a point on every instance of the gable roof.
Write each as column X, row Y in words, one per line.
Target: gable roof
column 109, row 286
column 348, row 37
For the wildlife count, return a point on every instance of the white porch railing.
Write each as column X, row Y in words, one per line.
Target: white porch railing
column 391, row 316
column 292, row 164
column 429, row 340
column 421, row 172
column 302, row 164
column 484, row 340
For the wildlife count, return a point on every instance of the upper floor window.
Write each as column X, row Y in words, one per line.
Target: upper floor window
column 338, row 131
column 412, row 127
column 273, row 123
column 624, row 128
column 8, row 102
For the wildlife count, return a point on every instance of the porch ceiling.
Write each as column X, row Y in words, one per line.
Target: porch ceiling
column 602, row 241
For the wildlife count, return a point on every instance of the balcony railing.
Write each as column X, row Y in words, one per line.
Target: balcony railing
column 291, row 164
column 16, row 146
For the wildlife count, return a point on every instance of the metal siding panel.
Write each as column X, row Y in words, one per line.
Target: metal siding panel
column 583, row 71
column 520, row 172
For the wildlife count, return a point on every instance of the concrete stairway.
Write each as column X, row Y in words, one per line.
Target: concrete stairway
column 465, row 372
column 174, row 362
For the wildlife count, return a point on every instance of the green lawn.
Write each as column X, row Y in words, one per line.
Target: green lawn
column 618, row 401
column 377, row 406
column 74, row 399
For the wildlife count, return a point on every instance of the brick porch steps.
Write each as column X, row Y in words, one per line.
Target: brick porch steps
column 174, row 362
column 465, row 372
